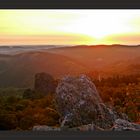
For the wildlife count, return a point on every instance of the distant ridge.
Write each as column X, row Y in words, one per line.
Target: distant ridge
column 17, row 68
column 80, row 45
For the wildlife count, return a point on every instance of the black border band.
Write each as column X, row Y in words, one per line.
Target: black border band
column 69, row 4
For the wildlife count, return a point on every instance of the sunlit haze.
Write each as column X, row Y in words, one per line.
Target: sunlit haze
column 68, row 27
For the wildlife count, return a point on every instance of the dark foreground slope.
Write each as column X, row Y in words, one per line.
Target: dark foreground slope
column 81, row 108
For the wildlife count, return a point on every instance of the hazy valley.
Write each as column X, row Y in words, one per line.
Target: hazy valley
column 17, row 69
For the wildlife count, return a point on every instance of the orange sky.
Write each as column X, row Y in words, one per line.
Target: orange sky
column 66, row 27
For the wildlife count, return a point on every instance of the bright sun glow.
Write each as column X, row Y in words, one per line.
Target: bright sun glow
column 69, row 26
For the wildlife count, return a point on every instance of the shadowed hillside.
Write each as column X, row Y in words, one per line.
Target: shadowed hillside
column 100, row 56
column 18, row 70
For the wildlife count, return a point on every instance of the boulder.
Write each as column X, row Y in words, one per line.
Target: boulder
column 44, row 83
column 79, row 103
column 124, row 125
column 45, row 128
column 89, row 127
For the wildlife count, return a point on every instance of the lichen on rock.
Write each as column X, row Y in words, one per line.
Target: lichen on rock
column 79, row 101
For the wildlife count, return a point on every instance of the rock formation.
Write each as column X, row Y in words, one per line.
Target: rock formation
column 79, row 103
column 44, row 83
column 45, row 128
column 124, row 125
column 82, row 109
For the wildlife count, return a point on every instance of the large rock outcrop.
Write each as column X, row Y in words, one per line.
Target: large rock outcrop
column 79, row 103
column 82, row 109
column 44, row 83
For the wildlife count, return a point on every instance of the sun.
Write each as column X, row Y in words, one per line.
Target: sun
column 92, row 26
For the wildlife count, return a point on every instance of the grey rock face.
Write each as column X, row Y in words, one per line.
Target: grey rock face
column 89, row 127
column 124, row 125
column 44, row 83
column 45, row 128
column 79, row 103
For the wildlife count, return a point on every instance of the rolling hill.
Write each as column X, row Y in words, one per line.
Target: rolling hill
column 18, row 70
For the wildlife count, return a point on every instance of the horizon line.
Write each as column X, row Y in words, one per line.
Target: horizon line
column 4, row 45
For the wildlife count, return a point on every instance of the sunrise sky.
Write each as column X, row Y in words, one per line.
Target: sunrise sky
column 69, row 27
